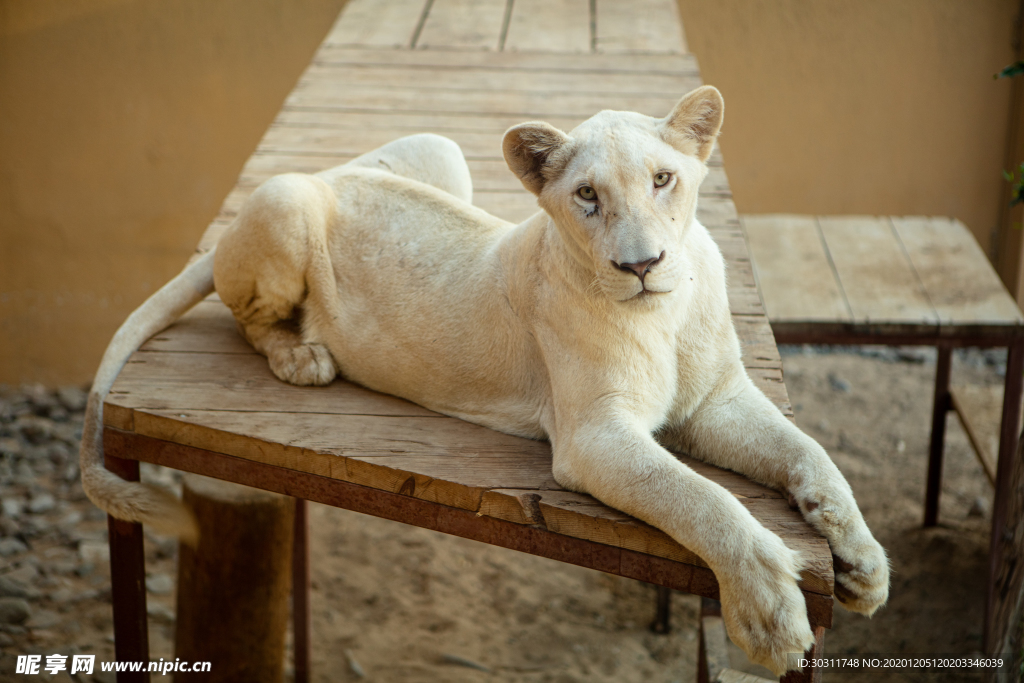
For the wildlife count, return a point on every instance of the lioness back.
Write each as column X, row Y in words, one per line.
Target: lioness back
column 422, row 309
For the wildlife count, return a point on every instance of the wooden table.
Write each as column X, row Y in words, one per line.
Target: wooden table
column 898, row 280
column 198, row 398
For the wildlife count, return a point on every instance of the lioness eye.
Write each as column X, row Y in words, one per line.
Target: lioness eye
column 661, row 179
column 587, row 192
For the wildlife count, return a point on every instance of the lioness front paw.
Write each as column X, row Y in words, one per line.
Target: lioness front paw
column 764, row 609
column 862, row 575
column 304, row 364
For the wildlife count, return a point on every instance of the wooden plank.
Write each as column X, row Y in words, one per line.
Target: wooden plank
column 874, row 273
column 757, row 342
column 238, row 381
column 470, row 77
column 407, row 123
column 717, row 212
column 770, row 382
column 589, row 63
column 464, row 24
column 650, row 26
column 448, row 461
column 528, row 105
column 413, row 122
column 744, row 298
column 792, row 269
column 549, row 26
column 377, row 23
column 941, row 247
column 580, row 516
column 207, row 328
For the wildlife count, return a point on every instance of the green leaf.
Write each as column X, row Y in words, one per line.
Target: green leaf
column 1015, row 69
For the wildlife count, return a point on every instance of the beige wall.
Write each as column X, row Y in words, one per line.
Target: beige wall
column 861, row 106
column 123, row 124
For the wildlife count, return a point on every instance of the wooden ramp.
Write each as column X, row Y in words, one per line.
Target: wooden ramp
column 466, row 70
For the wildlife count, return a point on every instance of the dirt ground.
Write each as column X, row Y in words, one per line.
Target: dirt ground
column 396, row 603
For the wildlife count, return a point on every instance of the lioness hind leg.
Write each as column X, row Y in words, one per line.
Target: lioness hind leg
column 263, row 272
column 426, row 157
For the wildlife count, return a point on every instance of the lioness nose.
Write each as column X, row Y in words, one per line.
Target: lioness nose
column 641, row 268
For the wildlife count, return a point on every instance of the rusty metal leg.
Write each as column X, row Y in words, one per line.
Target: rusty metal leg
column 662, row 610
column 128, row 584
column 1009, row 431
column 300, row 592
column 940, row 407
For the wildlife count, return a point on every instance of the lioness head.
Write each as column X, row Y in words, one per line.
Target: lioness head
column 622, row 188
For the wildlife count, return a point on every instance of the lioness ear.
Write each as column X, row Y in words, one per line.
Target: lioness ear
column 536, row 152
column 695, row 121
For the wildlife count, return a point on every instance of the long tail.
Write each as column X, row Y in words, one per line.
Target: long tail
column 133, row 501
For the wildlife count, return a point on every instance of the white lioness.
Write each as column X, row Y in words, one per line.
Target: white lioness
column 601, row 324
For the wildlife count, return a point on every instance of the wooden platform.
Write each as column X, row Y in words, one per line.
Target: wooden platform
column 903, row 280
column 915, row 277
column 197, row 397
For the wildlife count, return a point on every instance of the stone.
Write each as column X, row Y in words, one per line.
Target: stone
column 42, row 466
column 43, row 619
column 61, row 567
column 94, row 552
column 11, row 588
column 979, row 508
column 25, row 574
column 36, row 430
column 160, row 612
column 63, row 596
column 41, row 399
column 58, row 452
column 72, row 519
column 14, row 611
column 10, row 446
column 72, row 398
column 11, row 546
column 41, row 503
column 917, row 354
column 8, row 526
column 24, row 475
column 838, row 383
column 159, row 584
column 68, row 432
column 70, row 472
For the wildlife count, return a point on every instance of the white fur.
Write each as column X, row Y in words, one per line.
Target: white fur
column 383, row 271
